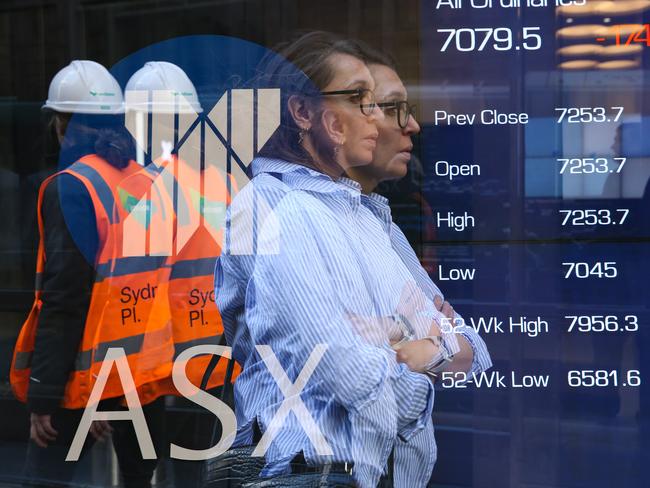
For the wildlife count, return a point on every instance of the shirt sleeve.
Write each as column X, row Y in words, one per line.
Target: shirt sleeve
column 66, row 286
column 481, row 357
column 482, row 360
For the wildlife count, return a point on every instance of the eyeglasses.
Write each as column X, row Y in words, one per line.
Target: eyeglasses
column 402, row 110
column 364, row 97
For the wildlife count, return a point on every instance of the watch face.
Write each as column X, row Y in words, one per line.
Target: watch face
column 405, row 325
column 445, row 352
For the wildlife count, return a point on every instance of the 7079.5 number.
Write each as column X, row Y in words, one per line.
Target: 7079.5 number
column 469, row 39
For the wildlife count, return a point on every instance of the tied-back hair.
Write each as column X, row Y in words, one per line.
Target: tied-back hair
column 103, row 135
column 301, row 67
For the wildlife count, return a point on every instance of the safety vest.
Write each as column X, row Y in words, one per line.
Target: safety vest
column 121, row 312
column 198, row 216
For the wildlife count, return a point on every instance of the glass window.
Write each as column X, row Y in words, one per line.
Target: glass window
column 509, row 139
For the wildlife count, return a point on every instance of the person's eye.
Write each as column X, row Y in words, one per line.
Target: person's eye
column 390, row 110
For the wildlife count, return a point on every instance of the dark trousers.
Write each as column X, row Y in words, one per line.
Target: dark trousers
column 310, row 480
column 135, row 471
column 192, row 427
column 46, row 466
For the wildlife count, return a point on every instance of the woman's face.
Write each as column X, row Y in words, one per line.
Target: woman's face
column 358, row 131
column 394, row 144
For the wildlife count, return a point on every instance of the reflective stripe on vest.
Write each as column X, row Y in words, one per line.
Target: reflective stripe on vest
column 181, row 347
column 104, row 192
column 130, row 265
column 192, row 268
column 84, row 360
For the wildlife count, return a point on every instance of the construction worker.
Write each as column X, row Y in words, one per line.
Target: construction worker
column 179, row 214
column 79, row 310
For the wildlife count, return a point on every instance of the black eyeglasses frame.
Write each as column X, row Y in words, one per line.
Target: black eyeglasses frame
column 402, row 106
column 366, row 108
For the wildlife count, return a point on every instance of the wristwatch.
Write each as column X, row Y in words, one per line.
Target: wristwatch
column 441, row 358
column 404, row 324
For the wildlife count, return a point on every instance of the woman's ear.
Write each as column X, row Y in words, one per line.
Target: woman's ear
column 300, row 111
column 333, row 127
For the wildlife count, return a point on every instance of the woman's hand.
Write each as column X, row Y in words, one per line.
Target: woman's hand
column 447, row 310
column 416, row 354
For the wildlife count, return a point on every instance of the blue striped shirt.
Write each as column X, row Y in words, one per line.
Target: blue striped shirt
column 381, row 209
column 307, row 263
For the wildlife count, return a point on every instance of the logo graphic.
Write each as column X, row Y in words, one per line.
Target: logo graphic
column 105, row 94
column 220, row 144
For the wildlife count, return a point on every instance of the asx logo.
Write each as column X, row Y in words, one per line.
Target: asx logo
column 179, row 190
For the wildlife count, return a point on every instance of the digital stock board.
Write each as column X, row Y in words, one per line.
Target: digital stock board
column 535, row 163
column 527, row 203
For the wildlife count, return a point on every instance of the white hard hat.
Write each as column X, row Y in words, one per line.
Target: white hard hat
column 85, row 87
column 161, row 87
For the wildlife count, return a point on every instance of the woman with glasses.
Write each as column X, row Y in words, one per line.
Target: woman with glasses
column 466, row 350
column 390, row 162
column 312, row 298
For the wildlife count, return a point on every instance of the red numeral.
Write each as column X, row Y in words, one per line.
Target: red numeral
column 643, row 35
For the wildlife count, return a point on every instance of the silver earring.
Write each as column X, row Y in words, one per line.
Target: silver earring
column 301, row 135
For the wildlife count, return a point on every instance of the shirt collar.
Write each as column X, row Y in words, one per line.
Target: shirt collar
column 347, row 182
column 268, row 165
column 378, row 205
column 301, row 177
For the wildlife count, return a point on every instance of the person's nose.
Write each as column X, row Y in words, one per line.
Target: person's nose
column 412, row 126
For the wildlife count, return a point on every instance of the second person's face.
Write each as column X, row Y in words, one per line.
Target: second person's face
column 394, row 144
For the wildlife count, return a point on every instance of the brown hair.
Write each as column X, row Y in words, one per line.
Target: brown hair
column 370, row 55
column 301, row 67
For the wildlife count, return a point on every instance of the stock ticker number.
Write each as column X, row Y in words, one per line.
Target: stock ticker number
column 641, row 35
column 577, row 115
column 578, row 217
column 601, row 378
column 499, row 39
column 602, row 323
column 584, row 271
column 587, row 166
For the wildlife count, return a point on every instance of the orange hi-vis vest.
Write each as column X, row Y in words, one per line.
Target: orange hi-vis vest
column 121, row 312
column 202, row 197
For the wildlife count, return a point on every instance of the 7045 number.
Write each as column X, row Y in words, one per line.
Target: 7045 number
column 584, row 271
